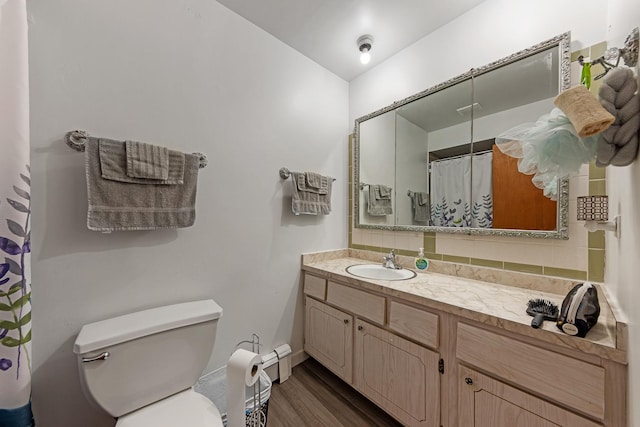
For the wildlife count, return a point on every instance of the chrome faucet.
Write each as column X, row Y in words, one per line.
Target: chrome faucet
column 389, row 261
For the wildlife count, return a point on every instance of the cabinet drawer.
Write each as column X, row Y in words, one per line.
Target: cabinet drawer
column 562, row 379
column 361, row 303
column 414, row 323
column 315, row 286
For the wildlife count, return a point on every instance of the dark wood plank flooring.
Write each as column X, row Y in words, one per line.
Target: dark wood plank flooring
column 313, row 396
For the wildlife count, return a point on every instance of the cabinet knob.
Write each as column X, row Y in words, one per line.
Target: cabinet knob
column 346, row 321
column 360, row 327
column 469, row 381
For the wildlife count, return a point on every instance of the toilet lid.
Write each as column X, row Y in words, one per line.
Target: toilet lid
column 186, row 408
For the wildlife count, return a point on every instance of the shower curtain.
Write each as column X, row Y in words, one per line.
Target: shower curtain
column 482, row 190
column 461, row 193
column 451, row 192
column 15, row 211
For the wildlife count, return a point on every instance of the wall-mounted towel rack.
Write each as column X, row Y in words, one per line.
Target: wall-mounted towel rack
column 286, row 173
column 76, row 139
column 362, row 185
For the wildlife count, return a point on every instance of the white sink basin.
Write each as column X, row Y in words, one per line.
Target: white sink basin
column 378, row 272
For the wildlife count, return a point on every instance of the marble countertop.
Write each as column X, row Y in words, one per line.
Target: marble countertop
column 489, row 303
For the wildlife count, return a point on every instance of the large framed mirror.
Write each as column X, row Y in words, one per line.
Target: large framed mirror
column 429, row 162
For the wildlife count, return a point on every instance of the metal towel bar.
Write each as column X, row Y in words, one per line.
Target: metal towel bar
column 286, row 173
column 76, row 139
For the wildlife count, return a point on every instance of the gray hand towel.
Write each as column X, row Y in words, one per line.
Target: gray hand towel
column 383, row 192
column 310, row 200
column 421, row 212
column 147, row 161
column 379, row 201
column 314, row 183
column 116, row 205
column 113, row 164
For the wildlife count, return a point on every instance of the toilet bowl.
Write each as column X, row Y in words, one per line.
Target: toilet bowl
column 140, row 367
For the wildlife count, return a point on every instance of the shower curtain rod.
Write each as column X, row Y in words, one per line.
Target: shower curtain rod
column 460, row 155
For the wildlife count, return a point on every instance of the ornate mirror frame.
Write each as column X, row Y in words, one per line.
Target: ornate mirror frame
column 561, row 41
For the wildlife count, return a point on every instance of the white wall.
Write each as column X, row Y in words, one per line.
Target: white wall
column 488, row 127
column 380, row 134
column 194, row 76
column 492, row 30
column 411, row 167
column 623, row 188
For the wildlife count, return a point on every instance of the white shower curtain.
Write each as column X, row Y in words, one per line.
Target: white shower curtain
column 451, row 192
column 15, row 211
column 457, row 199
column 482, row 191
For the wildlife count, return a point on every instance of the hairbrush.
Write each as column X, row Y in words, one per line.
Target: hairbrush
column 541, row 310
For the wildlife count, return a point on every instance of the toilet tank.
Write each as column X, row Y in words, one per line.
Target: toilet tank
column 152, row 354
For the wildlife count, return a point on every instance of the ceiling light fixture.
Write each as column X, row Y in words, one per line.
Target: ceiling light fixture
column 364, row 45
column 467, row 108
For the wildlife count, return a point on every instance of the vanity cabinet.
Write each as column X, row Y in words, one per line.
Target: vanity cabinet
column 329, row 337
column 363, row 346
column 398, row 375
column 559, row 378
column 440, row 367
column 487, row 402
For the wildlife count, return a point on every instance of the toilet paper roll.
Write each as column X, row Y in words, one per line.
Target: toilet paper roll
column 243, row 369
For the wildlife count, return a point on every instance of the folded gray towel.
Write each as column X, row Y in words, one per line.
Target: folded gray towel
column 310, row 200
column 383, row 192
column 113, row 164
column 421, row 211
column 121, row 204
column 313, row 182
column 147, row 161
column 379, row 201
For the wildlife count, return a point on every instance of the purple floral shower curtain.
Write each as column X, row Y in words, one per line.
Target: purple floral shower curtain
column 15, row 211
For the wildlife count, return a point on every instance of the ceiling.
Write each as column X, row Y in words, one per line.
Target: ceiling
column 326, row 30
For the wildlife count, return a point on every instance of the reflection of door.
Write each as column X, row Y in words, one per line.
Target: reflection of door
column 517, row 203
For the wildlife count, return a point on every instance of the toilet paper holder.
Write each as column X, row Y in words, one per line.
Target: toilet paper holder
column 281, row 356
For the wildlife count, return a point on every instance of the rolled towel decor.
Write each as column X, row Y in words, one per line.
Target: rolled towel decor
column 618, row 145
column 584, row 111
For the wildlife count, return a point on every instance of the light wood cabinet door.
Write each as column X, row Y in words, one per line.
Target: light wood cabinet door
column 486, row 402
column 329, row 337
column 398, row 375
column 558, row 378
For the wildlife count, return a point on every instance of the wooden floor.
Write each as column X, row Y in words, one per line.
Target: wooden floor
column 313, row 396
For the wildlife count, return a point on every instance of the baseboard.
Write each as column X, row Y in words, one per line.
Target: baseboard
column 298, row 357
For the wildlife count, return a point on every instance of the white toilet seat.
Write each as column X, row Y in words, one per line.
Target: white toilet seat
column 186, row 408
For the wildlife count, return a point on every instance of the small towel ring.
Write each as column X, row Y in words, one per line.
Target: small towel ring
column 76, row 139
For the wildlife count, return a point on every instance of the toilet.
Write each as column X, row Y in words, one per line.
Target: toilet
column 140, row 367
